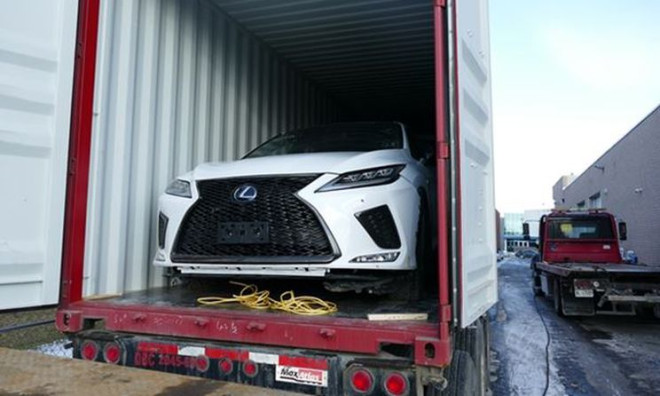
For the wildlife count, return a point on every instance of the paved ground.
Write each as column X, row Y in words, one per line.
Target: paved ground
column 585, row 356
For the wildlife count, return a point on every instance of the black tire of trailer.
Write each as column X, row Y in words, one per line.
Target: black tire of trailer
column 536, row 283
column 461, row 377
column 557, row 297
column 474, row 341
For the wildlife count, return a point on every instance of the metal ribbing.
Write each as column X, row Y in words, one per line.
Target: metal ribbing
column 178, row 83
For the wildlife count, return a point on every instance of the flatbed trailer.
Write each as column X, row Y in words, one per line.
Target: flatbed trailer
column 599, row 288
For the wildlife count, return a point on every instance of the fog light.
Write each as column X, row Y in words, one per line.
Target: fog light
column 377, row 258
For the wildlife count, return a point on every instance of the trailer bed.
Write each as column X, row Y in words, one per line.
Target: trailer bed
column 567, row 269
column 350, row 305
column 174, row 311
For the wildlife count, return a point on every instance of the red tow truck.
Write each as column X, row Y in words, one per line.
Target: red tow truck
column 580, row 267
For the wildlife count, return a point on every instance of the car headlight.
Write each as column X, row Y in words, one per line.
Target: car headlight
column 363, row 178
column 180, row 188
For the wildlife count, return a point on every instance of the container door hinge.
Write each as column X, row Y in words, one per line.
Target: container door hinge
column 443, row 151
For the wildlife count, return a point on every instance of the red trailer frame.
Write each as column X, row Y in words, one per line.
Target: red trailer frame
column 431, row 341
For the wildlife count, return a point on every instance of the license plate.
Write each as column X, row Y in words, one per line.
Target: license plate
column 253, row 232
column 584, row 293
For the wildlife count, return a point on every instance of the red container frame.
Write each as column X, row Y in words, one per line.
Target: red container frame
column 431, row 341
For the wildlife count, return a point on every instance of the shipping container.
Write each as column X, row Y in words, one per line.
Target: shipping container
column 162, row 86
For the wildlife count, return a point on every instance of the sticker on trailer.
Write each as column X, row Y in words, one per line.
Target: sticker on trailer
column 264, row 358
column 191, row 351
column 301, row 376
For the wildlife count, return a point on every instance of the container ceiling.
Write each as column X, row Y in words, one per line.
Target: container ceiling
column 374, row 56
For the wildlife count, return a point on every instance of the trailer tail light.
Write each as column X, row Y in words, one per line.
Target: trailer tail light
column 112, row 353
column 362, row 381
column 250, row 369
column 89, row 350
column 226, row 366
column 202, row 363
column 396, row 384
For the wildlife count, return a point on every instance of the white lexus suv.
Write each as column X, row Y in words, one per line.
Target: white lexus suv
column 347, row 202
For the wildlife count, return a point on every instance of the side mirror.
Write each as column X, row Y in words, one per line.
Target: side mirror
column 526, row 231
column 623, row 231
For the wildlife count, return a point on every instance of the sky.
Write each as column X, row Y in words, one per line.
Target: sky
column 569, row 79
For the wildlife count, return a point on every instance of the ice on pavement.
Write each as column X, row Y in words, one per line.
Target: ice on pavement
column 520, row 339
column 56, row 348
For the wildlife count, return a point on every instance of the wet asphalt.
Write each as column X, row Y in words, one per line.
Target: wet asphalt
column 601, row 355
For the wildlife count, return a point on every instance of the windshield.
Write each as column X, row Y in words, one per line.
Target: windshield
column 587, row 227
column 333, row 138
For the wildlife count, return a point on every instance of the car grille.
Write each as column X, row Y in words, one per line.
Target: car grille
column 378, row 222
column 295, row 232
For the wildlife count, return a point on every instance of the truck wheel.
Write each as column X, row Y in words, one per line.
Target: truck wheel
column 474, row 341
column 461, row 376
column 536, row 284
column 557, row 298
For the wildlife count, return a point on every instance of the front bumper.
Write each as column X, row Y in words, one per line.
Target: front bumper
column 336, row 211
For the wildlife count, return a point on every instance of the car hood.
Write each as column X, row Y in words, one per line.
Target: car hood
column 301, row 164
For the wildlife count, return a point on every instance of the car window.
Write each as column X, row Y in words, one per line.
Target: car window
column 580, row 228
column 333, row 138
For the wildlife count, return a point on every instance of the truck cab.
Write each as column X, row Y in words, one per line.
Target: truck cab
column 580, row 237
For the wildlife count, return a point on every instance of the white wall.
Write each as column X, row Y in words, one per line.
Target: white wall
column 37, row 40
column 178, row 83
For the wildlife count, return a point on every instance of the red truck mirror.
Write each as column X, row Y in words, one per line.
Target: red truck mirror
column 623, row 231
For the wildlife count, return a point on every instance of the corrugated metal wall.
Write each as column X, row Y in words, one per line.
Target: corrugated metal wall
column 37, row 41
column 178, row 83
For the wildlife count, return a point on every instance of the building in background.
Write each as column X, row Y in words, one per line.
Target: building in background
column 513, row 232
column 513, row 235
column 625, row 181
column 533, row 218
column 499, row 230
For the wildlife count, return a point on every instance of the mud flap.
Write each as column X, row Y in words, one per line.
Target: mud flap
column 576, row 306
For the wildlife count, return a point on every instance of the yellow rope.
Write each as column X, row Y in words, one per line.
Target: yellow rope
column 251, row 297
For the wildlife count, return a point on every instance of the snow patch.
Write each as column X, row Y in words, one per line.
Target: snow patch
column 56, row 348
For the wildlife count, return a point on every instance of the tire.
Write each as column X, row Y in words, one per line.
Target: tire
column 473, row 340
column 557, row 298
column 462, row 378
column 536, row 284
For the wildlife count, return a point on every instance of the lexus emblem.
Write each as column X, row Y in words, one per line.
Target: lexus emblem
column 245, row 193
